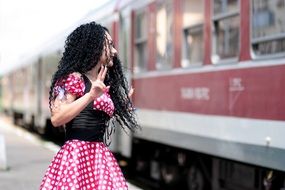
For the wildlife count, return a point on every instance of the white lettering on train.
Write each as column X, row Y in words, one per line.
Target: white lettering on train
column 195, row 93
column 236, row 84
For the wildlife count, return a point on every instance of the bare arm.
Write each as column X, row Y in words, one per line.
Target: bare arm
column 64, row 109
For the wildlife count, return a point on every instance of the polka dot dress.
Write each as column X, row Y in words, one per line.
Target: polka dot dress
column 82, row 165
column 74, row 84
column 104, row 103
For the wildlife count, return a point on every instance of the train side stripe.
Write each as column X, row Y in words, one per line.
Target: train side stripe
column 213, row 68
column 232, row 129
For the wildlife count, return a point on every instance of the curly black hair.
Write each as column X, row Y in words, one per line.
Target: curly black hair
column 83, row 49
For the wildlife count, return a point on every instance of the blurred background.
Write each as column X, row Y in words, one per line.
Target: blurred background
column 27, row 25
column 209, row 81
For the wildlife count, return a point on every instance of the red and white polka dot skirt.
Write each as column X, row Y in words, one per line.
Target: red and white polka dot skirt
column 81, row 165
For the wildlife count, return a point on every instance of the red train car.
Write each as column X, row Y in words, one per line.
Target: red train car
column 209, row 88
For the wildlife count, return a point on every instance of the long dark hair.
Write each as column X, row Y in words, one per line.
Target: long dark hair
column 83, row 49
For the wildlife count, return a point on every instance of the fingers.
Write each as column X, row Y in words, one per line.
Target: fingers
column 131, row 92
column 102, row 74
column 100, row 84
column 107, row 89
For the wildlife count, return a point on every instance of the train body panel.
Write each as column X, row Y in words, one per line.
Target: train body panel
column 242, row 140
column 20, row 94
column 204, row 85
column 31, row 95
column 231, row 92
column 7, row 93
column 48, row 65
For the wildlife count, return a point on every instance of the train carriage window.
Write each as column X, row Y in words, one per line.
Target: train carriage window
column 140, row 42
column 226, row 22
column 268, row 27
column 225, row 6
column 124, row 42
column 164, row 34
column 193, row 19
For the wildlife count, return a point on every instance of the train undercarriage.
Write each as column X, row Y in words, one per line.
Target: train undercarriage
column 166, row 167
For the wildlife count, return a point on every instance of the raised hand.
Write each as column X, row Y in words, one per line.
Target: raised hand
column 98, row 87
column 131, row 92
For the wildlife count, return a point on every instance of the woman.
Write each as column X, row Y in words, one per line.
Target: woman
column 88, row 95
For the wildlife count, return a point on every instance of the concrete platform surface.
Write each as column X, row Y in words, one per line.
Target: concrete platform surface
column 27, row 158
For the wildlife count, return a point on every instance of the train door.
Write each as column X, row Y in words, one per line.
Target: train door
column 7, row 93
column 39, row 92
column 124, row 49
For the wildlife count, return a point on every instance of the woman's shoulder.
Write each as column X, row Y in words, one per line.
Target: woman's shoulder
column 76, row 75
column 73, row 83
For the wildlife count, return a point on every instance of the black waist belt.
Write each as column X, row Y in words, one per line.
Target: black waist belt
column 87, row 133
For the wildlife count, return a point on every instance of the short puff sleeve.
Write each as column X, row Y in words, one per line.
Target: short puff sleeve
column 104, row 103
column 73, row 84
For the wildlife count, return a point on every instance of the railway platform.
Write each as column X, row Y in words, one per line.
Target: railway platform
column 26, row 158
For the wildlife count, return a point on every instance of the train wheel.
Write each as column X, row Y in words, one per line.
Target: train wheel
column 195, row 178
column 170, row 175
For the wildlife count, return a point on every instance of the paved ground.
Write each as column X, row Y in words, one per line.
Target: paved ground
column 27, row 158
